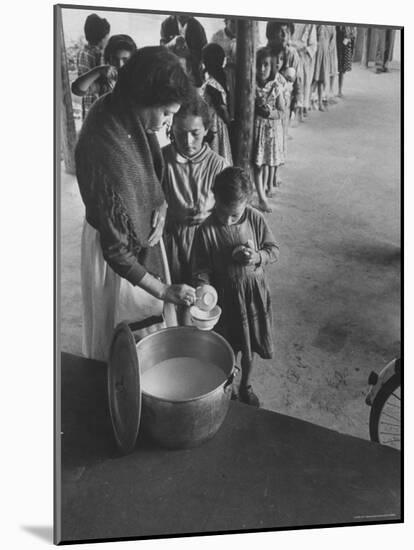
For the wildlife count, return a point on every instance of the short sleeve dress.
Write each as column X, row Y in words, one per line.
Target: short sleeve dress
column 268, row 144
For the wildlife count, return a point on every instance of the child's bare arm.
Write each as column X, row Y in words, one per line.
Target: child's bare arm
column 82, row 84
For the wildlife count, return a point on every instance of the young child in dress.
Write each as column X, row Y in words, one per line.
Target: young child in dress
column 190, row 169
column 268, row 141
column 231, row 249
column 215, row 92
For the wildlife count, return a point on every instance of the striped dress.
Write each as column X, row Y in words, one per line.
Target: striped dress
column 187, row 188
column 243, row 292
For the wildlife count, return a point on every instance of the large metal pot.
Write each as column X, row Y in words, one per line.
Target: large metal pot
column 189, row 422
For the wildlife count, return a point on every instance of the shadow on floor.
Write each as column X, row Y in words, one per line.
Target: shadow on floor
column 44, row 532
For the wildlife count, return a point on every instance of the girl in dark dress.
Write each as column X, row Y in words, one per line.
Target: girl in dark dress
column 345, row 39
column 215, row 93
column 231, row 249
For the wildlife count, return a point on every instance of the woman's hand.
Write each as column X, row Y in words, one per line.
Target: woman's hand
column 158, row 222
column 180, row 295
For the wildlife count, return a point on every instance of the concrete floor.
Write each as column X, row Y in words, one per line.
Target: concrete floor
column 336, row 289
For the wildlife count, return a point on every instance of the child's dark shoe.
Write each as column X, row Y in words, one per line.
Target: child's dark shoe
column 247, row 395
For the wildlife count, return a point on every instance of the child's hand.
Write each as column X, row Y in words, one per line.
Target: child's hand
column 111, row 72
column 246, row 255
column 253, row 256
column 274, row 114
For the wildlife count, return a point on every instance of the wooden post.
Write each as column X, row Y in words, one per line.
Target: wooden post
column 245, row 92
column 366, row 47
column 68, row 130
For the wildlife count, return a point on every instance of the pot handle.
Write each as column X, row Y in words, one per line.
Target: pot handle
column 232, row 376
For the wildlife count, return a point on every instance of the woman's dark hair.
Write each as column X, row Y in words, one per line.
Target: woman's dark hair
column 213, row 57
column 232, row 185
column 116, row 43
column 96, row 28
column 264, row 53
column 153, row 76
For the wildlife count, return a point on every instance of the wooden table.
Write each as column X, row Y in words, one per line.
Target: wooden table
column 262, row 470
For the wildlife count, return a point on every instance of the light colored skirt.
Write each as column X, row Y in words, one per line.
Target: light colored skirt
column 108, row 299
column 308, row 70
column 268, row 141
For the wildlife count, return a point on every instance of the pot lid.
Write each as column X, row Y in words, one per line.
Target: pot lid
column 124, row 389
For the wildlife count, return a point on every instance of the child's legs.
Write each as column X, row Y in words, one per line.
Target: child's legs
column 278, row 176
column 265, row 169
column 340, row 83
column 321, row 87
column 331, row 84
column 246, row 364
column 271, row 180
column 260, row 182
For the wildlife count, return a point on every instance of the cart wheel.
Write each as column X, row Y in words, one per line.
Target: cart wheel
column 385, row 416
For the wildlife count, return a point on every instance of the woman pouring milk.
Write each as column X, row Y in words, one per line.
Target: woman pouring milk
column 119, row 166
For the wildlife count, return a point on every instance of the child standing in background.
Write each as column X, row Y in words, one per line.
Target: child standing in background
column 231, row 249
column 96, row 33
column 102, row 78
column 286, row 85
column 268, row 137
column 215, row 92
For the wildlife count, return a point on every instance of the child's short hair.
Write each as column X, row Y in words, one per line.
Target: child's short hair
column 213, row 57
column 95, row 28
column 195, row 106
column 264, row 53
column 232, row 185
